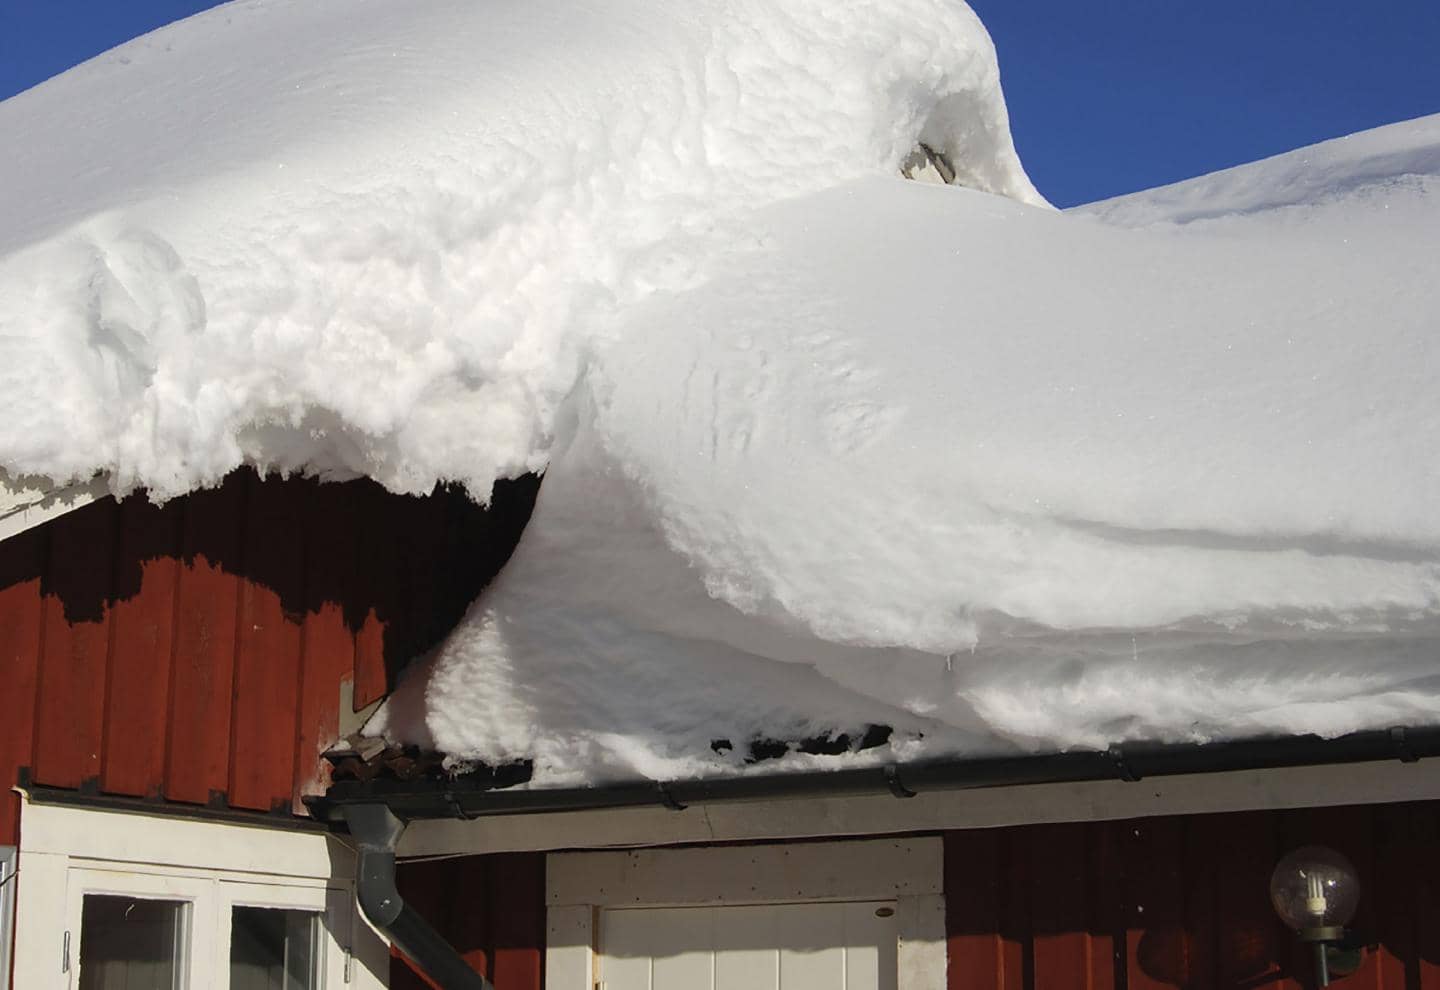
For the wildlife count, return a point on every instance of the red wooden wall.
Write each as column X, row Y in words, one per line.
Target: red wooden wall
column 1177, row 903
column 490, row 908
column 1183, row 902
column 195, row 652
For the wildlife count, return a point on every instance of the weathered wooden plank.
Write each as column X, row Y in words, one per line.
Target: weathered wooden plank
column 1016, row 946
column 1199, row 863
column 517, row 917
column 1392, row 888
column 377, row 591
column 71, row 712
column 1424, row 822
column 267, row 650
column 22, row 564
column 472, row 911
column 1250, row 943
column 202, row 679
column 421, row 592
column 143, row 623
column 328, row 645
column 1156, row 941
column 1057, row 906
column 972, row 910
column 1105, row 920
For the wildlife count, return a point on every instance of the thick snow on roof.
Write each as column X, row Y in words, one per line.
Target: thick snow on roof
column 824, row 448
column 1000, row 477
column 1366, row 164
column 358, row 236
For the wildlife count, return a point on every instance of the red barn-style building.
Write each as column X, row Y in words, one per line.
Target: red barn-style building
column 180, row 692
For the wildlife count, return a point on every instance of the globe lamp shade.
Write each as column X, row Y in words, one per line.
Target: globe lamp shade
column 1315, row 888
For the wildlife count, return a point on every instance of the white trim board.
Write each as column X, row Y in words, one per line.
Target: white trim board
column 908, row 871
column 866, row 870
column 882, row 814
column 180, row 843
column 25, row 504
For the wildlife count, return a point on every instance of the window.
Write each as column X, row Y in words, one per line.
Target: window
column 127, row 930
column 162, row 931
column 128, row 942
column 132, row 942
column 124, row 901
column 7, row 911
column 275, row 949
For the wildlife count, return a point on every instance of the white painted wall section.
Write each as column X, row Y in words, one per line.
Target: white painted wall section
column 67, row 853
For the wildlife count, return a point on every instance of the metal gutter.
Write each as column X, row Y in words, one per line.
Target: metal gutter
column 37, row 794
column 376, row 831
column 459, row 798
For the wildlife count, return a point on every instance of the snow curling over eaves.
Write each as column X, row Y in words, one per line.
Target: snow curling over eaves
column 367, row 237
column 1003, row 479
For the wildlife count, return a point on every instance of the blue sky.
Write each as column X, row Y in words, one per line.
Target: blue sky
column 1106, row 96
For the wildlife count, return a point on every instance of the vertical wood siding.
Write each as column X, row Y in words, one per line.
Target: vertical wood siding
column 490, row 908
column 1180, row 903
column 21, row 623
column 195, row 651
column 1183, row 902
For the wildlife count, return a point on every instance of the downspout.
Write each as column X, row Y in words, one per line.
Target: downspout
column 376, row 831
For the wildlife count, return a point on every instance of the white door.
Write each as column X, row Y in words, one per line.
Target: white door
column 833, row 946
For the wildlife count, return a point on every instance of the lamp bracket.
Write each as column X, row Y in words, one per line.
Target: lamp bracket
column 1325, row 933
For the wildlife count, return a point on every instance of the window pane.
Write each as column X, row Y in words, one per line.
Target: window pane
column 271, row 949
column 128, row 943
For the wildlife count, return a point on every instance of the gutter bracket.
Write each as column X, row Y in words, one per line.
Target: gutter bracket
column 376, row 831
column 1122, row 766
column 455, row 808
column 893, row 781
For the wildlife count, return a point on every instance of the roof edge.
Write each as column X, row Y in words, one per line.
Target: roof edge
column 479, row 797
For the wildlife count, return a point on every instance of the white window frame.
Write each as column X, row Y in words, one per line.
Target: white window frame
column 193, row 891
column 333, row 904
column 7, row 911
column 68, row 852
column 909, row 871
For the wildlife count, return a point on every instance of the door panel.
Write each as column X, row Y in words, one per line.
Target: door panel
column 841, row 946
column 742, row 958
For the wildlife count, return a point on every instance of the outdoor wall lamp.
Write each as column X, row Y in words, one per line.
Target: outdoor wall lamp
column 1315, row 891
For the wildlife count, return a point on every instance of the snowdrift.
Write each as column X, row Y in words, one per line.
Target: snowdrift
column 823, row 448
column 366, row 237
column 1002, row 478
